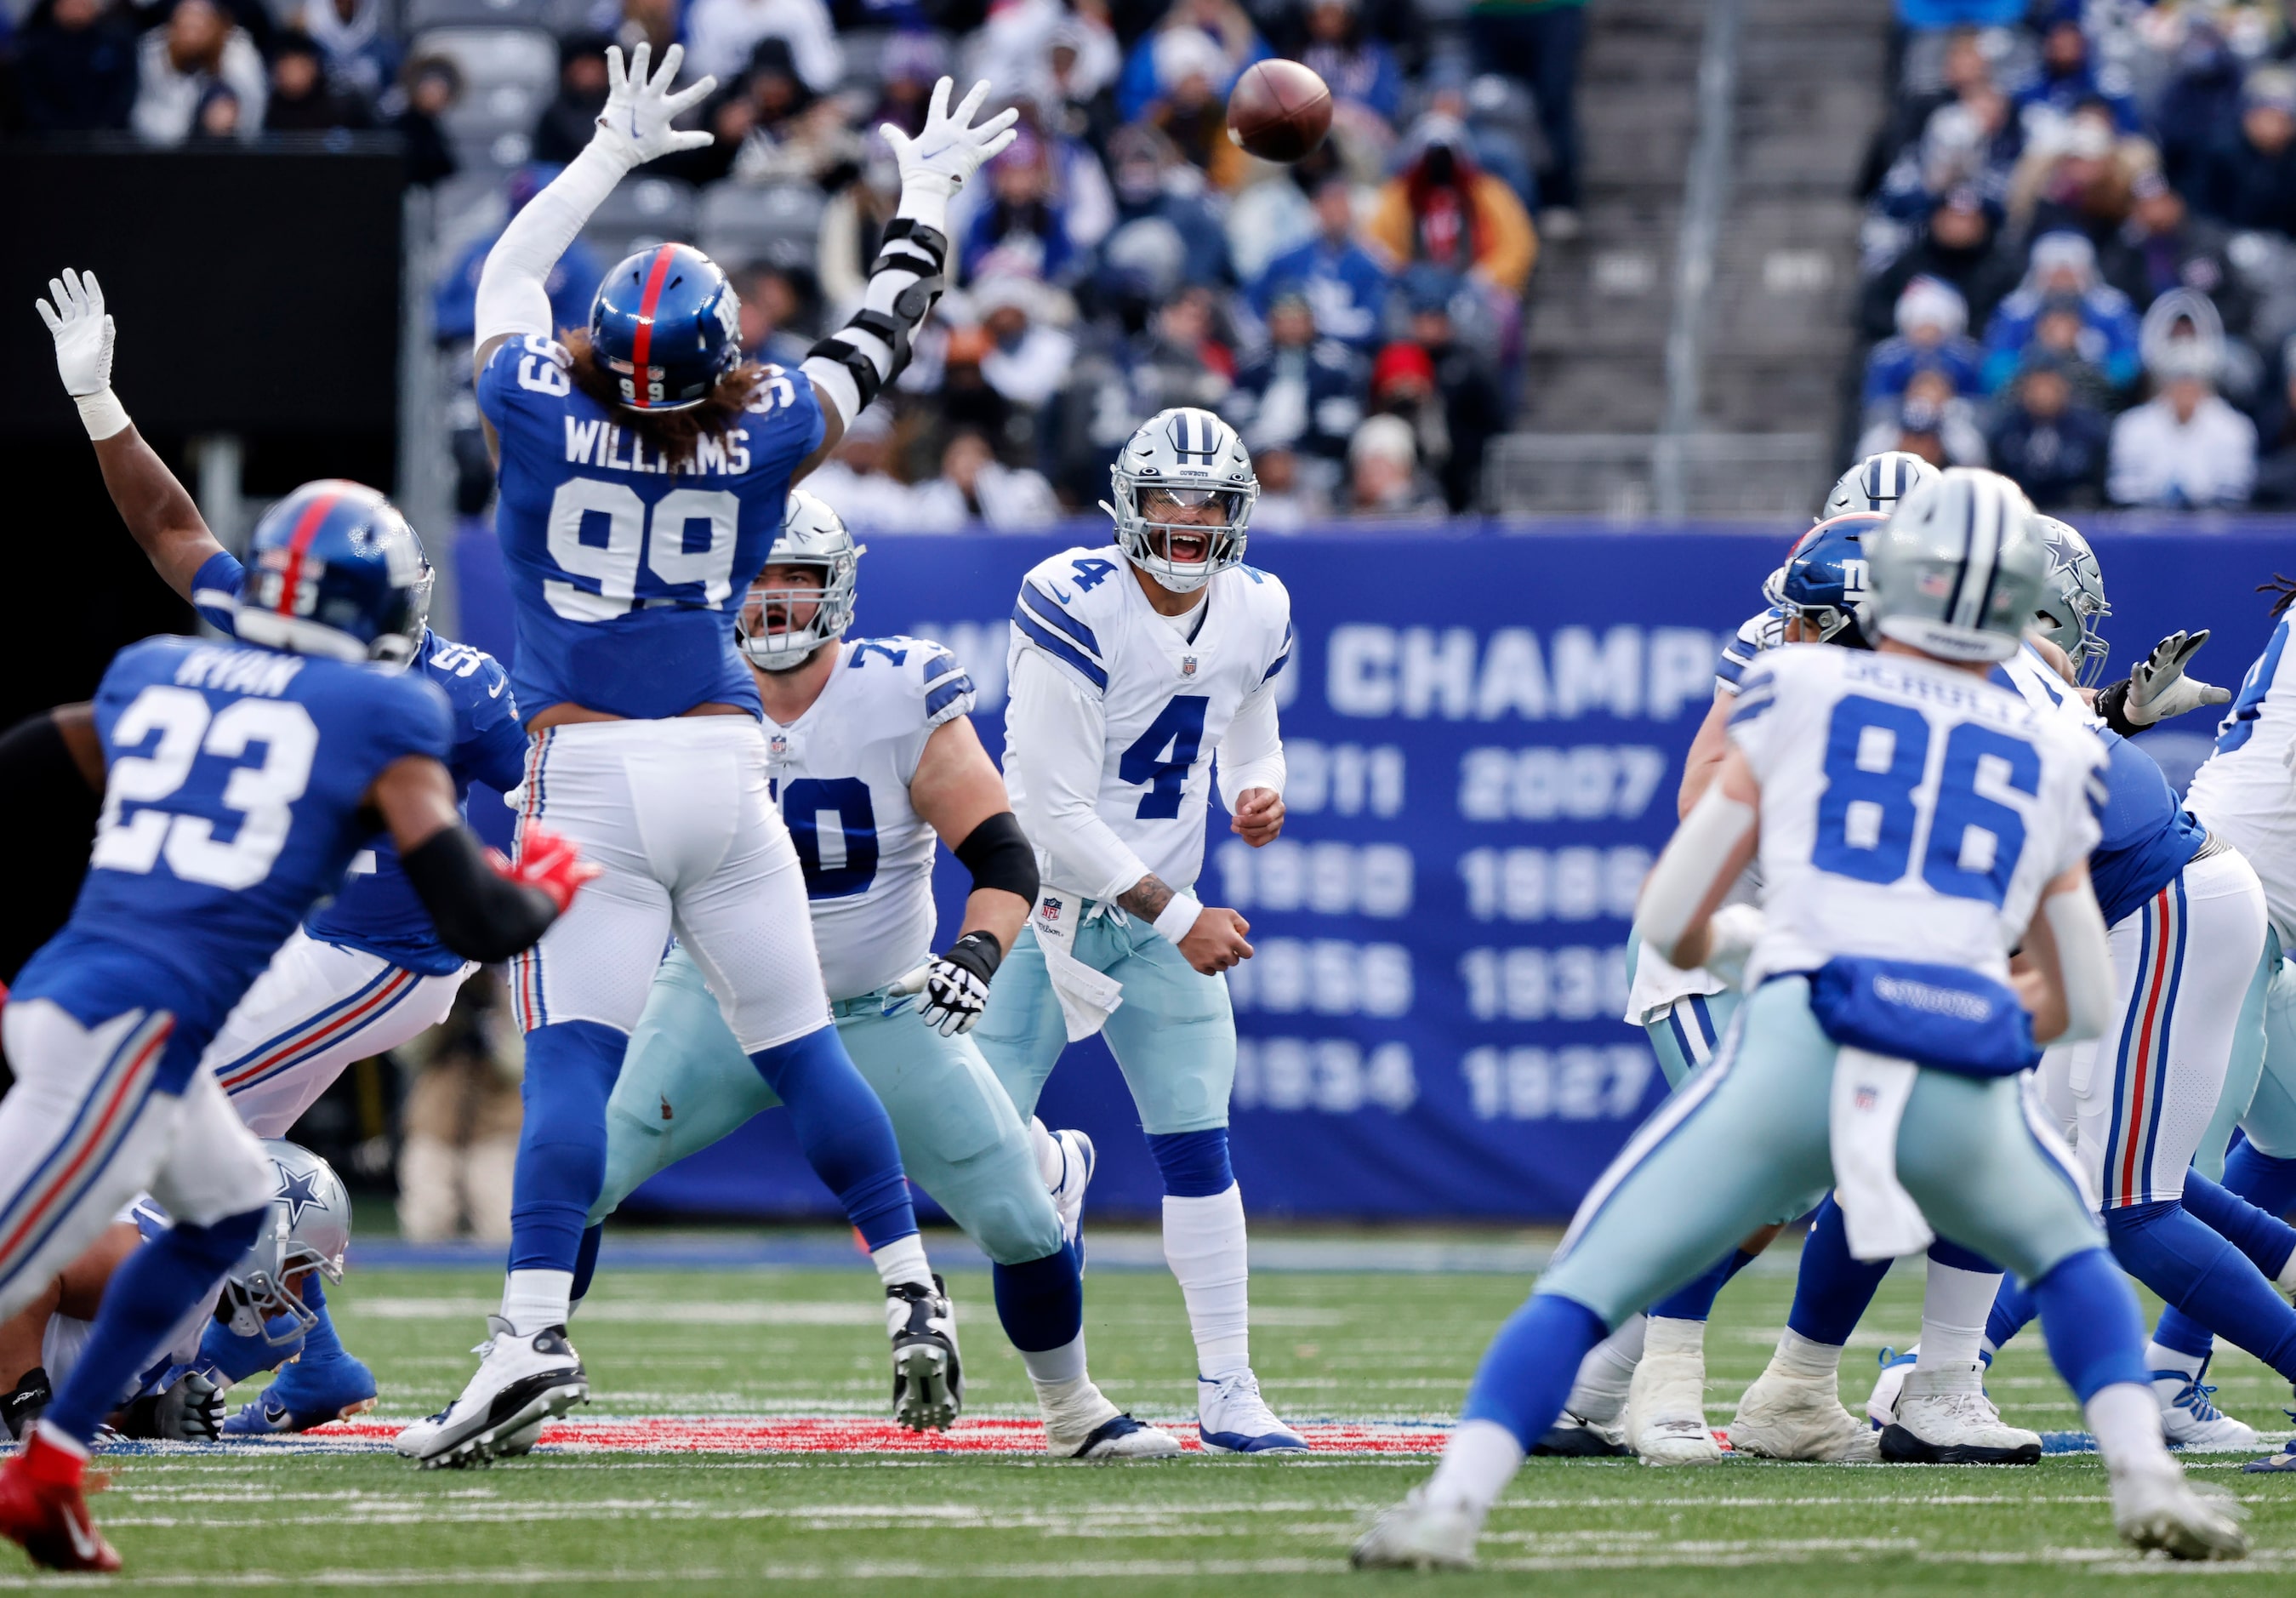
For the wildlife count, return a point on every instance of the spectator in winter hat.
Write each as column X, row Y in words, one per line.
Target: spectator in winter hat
column 974, row 486
column 1361, row 71
column 569, row 121
column 1958, row 246
column 1932, row 320
column 2185, row 447
column 1383, row 476
column 2164, row 246
column 199, row 49
column 2046, row 441
column 1303, row 390
column 1344, row 282
column 1148, row 78
column 302, row 100
column 76, row 67
column 722, row 35
column 2248, row 178
column 2063, row 272
column 1024, row 229
column 1442, row 207
column 2068, row 78
column 1942, row 425
column 1026, row 361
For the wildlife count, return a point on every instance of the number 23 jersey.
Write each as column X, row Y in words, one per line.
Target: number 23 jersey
column 841, row 773
column 1909, row 811
column 1168, row 694
column 625, row 574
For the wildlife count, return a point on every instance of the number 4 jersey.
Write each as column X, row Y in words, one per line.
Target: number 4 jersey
column 1909, row 811
column 1166, row 690
column 621, row 567
column 233, row 800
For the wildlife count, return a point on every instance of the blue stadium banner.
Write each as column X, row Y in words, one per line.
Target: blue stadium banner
column 1485, row 734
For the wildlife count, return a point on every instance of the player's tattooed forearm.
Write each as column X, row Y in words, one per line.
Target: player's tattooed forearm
column 1146, row 898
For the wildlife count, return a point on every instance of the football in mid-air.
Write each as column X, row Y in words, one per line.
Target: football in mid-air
column 1279, row 110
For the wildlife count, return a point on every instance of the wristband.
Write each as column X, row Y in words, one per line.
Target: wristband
column 925, row 200
column 1179, row 916
column 102, row 414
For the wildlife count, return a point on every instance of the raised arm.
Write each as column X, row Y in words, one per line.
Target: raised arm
column 160, row 516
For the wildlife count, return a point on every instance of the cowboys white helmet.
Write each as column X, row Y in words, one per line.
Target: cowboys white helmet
column 307, row 1228
column 1957, row 572
column 1185, row 490
column 1878, row 482
column 811, row 535
column 2072, row 601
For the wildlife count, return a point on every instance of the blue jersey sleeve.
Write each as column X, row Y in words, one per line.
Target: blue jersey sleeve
column 406, row 714
column 489, row 743
column 526, row 379
column 214, row 591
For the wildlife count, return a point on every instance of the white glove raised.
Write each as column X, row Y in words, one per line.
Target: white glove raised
column 935, row 164
column 83, row 332
column 636, row 125
column 2158, row 689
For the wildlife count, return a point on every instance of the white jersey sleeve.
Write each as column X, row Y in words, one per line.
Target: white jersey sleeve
column 1167, row 694
column 2245, row 792
column 1765, row 630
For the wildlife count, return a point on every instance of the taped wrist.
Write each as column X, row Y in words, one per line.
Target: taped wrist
column 2112, row 706
column 1179, row 917
column 102, row 414
column 872, row 350
column 998, row 854
column 479, row 914
column 977, row 952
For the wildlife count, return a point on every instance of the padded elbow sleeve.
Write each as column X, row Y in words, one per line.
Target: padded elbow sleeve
column 873, row 348
column 479, row 914
column 2084, row 964
column 1686, row 873
column 998, row 854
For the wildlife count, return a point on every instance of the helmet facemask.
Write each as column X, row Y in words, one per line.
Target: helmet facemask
column 782, row 624
column 261, row 1288
column 1185, row 490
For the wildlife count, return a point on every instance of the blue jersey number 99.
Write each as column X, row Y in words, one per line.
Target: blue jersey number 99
column 835, row 828
column 1872, row 811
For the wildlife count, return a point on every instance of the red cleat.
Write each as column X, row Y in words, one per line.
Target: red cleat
column 43, row 1506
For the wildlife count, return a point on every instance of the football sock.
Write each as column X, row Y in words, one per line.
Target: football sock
column 1797, row 1355
column 2168, row 1249
column 2268, row 1241
column 320, row 1343
column 1052, row 1369
column 1481, row 1459
column 570, row 1067
column 2176, row 1332
column 535, row 1300
column 155, row 1287
column 902, row 1260
column 2013, row 1310
column 1694, row 1301
column 2159, row 1357
column 585, row 1264
column 2125, row 1419
column 1204, row 1244
column 842, row 1127
column 2088, row 1313
column 1527, row 1371
column 1050, row 1161
column 1833, row 1285
column 1607, row 1373
column 1956, row 1302
column 2264, row 1182
column 1041, row 1303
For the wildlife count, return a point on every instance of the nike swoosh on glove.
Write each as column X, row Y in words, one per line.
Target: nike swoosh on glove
column 547, row 861
column 956, row 985
column 2158, row 689
column 949, row 148
column 639, row 109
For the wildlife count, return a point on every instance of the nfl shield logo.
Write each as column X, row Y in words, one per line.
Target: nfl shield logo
column 1187, row 665
column 1052, row 910
column 1867, row 1098
column 778, row 745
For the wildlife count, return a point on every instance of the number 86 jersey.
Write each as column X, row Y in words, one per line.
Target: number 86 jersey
column 1168, row 690
column 1909, row 811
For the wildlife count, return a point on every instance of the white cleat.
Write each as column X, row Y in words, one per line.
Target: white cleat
column 1419, row 1536
column 1233, row 1418
column 2161, row 1510
column 1077, row 1160
column 2189, row 1420
column 1119, row 1436
column 1786, row 1415
column 1666, row 1409
column 1944, row 1418
column 1881, row 1403
column 520, row 1382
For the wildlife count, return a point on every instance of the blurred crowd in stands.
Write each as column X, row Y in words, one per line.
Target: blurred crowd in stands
column 1359, row 314
column 2078, row 259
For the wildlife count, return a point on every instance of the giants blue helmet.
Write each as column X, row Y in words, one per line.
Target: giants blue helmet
column 334, row 570
column 666, row 326
column 1825, row 579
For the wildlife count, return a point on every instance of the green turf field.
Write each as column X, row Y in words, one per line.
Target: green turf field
column 764, row 1342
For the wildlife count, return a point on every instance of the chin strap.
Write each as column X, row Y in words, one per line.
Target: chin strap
column 851, row 365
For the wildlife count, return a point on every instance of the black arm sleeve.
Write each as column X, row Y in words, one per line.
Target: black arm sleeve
column 2112, row 704
column 479, row 914
column 47, row 807
column 997, row 854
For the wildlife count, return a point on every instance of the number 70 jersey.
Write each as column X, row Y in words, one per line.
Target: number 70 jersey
column 1168, row 694
column 1910, row 811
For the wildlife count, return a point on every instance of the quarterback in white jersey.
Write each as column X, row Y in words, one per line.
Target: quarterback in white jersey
column 871, row 757
column 1131, row 665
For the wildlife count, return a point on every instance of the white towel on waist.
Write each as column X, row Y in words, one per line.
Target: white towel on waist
column 1088, row 997
column 1880, row 1217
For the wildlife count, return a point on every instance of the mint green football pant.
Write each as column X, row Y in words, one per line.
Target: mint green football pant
column 685, row 1083
column 1174, row 1035
column 1746, row 1138
column 2259, row 1089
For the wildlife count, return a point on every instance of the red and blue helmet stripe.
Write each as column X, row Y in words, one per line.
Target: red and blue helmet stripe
column 334, row 568
column 666, row 324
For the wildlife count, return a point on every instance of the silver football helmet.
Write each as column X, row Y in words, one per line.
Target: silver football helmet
column 1957, row 572
column 811, row 535
column 307, row 1228
column 1878, row 482
column 1184, row 484
column 2072, row 601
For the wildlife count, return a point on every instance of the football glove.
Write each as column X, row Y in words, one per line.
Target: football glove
column 2158, row 689
column 1734, row 930
column 636, row 124
column 545, row 861
column 82, row 331
column 956, row 985
column 949, row 148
